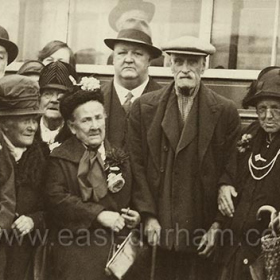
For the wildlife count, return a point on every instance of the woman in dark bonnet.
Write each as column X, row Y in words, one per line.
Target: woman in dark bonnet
column 87, row 192
column 21, row 170
column 258, row 182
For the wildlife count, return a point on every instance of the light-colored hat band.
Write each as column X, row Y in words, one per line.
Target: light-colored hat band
column 134, row 34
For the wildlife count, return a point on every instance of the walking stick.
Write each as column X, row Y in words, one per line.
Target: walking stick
column 154, row 255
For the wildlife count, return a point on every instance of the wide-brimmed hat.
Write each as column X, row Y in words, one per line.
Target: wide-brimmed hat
column 31, row 67
column 135, row 31
column 57, row 75
column 189, row 45
column 131, row 8
column 19, row 95
column 10, row 47
column 267, row 85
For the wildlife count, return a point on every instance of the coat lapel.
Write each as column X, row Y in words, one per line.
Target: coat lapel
column 209, row 111
column 170, row 122
column 154, row 115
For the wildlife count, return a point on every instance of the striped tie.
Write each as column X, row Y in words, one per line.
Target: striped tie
column 127, row 104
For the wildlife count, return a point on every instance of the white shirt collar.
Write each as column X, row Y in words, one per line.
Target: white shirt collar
column 122, row 92
column 16, row 152
column 48, row 135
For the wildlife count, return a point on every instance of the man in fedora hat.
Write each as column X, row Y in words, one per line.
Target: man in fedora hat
column 132, row 54
column 8, row 51
column 56, row 80
column 182, row 141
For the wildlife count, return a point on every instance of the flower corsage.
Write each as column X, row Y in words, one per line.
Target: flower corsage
column 87, row 83
column 244, row 143
column 114, row 164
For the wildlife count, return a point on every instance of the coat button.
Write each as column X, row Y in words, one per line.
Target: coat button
column 245, row 261
column 165, row 148
column 161, row 169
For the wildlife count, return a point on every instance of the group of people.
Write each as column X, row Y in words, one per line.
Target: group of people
column 82, row 165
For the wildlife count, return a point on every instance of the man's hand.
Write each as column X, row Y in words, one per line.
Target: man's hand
column 225, row 203
column 23, row 225
column 208, row 241
column 152, row 231
column 131, row 217
column 112, row 220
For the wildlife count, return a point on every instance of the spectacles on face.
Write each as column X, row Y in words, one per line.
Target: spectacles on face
column 51, row 94
column 262, row 112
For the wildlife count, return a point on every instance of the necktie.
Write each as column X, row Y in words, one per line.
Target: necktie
column 91, row 176
column 127, row 104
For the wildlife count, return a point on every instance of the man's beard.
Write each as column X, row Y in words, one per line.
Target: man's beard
column 186, row 91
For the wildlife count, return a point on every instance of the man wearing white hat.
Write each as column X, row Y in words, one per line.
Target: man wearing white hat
column 8, row 51
column 182, row 141
column 132, row 53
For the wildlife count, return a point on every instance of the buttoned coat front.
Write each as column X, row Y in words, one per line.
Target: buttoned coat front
column 153, row 132
column 116, row 122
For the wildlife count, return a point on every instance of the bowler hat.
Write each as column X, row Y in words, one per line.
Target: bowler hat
column 57, row 75
column 31, row 67
column 10, row 47
column 131, row 8
column 135, row 31
column 189, row 45
column 19, row 95
column 267, row 85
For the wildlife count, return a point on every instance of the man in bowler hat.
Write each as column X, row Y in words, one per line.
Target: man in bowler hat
column 8, row 51
column 132, row 54
column 182, row 141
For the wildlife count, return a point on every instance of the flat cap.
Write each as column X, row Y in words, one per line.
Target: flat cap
column 31, row 67
column 19, row 95
column 189, row 45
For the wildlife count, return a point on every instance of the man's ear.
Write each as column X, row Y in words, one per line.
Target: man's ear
column 71, row 126
column 203, row 65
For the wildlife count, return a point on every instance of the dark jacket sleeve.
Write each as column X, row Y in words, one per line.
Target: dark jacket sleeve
column 229, row 174
column 142, row 196
column 66, row 209
column 7, row 189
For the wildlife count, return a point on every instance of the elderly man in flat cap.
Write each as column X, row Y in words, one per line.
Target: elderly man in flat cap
column 8, row 51
column 132, row 54
column 182, row 141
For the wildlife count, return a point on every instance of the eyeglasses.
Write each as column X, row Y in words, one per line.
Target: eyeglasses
column 262, row 112
column 51, row 94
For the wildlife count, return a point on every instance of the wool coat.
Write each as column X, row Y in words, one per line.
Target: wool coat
column 88, row 243
column 152, row 133
column 27, row 188
column 116, row 125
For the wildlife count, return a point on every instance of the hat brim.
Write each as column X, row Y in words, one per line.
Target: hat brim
column 119, row 10
column 11, row 49
column 21, row 112
column 252, row 101
column 186, row 52
column 56, row 86
column 154, row 51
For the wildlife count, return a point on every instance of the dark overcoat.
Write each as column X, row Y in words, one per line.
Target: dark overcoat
column 88, row 243
column 116, row 123
column 27, row 185
column 153, row 133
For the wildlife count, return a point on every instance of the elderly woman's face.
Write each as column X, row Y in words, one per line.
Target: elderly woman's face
column 20, row 130
column 88, row 123
column 268, row 111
